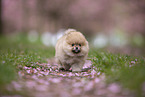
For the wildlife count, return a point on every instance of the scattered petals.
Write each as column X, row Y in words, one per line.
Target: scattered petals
column 97, row 80
column 76, row 91
column 115, row 88
column 28, row 71
column 132, row 62
column 56, row 80
column 70, row 74
column 41, row 88
column 48, row 81
column 77, row 74
column 3, row 62
column 17, row 86
column 89, row 86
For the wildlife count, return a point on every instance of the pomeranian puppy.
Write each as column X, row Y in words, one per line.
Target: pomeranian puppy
column 71, row 50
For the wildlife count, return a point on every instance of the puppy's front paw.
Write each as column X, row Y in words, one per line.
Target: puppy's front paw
column 76, row 70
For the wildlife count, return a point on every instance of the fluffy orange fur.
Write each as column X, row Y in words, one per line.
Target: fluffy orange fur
column 71, row 50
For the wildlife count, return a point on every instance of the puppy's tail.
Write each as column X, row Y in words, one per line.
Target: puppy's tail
column 69, row 31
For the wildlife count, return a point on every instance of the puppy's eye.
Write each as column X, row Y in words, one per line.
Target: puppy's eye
column 72, row 44
column 79, row 44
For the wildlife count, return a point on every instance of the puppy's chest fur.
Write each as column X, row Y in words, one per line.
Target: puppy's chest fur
column 73, row 59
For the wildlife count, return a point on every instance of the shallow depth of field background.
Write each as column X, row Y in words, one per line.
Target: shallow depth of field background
column 29, row 30
column 114, row 25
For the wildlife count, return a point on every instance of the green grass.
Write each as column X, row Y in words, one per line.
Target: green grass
column 19, row 53
column 127, row 70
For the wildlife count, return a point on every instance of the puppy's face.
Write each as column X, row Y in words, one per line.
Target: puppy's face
column 76, row 48
column 75, row 44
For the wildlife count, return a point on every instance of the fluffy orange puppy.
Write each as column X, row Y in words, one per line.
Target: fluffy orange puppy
column 71, row 50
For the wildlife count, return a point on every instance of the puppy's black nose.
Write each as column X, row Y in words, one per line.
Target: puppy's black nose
column 76, row 50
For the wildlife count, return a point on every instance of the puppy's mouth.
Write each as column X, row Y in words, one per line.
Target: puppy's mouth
column 76, row 51
column 76, row 48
